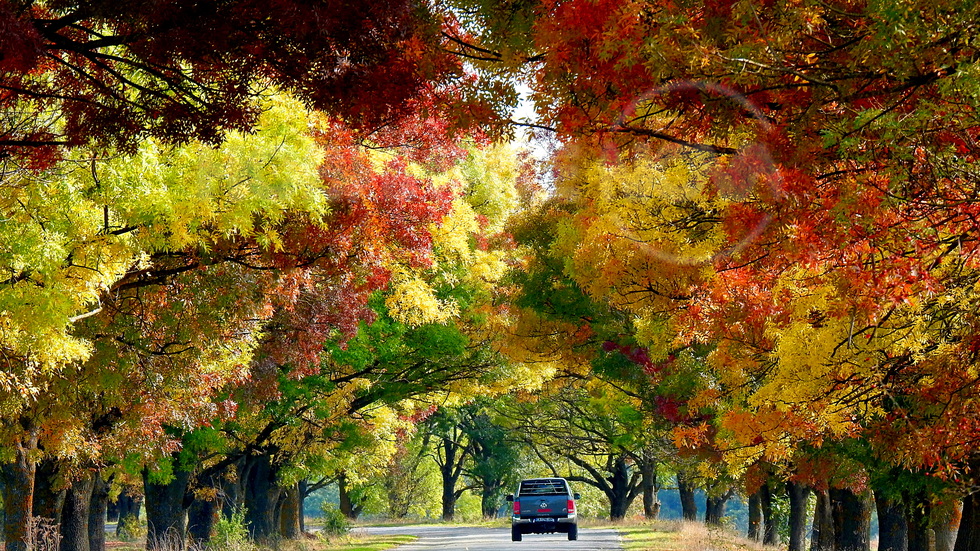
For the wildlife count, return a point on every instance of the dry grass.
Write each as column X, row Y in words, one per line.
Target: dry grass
column 681, row 536
column 350, row 542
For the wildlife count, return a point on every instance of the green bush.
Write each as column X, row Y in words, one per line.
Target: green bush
column 130, row 529
column 334, row 522
column 231, row 534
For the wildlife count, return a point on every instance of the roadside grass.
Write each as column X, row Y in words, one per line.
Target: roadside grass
column 361, row 542
column 349, row 542
column 681, row 536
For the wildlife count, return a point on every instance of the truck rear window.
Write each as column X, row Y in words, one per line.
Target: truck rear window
column 543, row 487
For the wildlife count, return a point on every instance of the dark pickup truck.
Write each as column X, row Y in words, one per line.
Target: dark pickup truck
column 543, row 506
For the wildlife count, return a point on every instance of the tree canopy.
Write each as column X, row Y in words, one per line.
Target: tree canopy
column 238, row 236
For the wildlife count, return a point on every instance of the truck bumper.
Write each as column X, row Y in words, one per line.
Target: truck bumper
column 544, row 525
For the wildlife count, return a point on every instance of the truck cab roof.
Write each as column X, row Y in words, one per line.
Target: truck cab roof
column 543, row 487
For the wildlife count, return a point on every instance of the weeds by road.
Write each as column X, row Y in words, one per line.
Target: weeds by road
column 682, row 536
column 351, row 542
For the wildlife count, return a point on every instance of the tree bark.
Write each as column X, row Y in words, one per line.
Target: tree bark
column 852, row 520
column 621, row 496
column 18, row 492
column 714, row 509
column 823, row 523
column 303, row 492
column 348, row 508
column 261, row 497
column 49, row 491
column 968, row 537
column 166, row 509
column 448, row 503
column 233, row 489
column 689, row 506
column 798, row 496
column 947, row 521
column 917, row 520
column 651, row 487
column 74, row 515
column 290, row 513
column 755, row 517
column 892, row 527
column 770, row 534
column 451, row 468
column 202, row 516
column 97, row 513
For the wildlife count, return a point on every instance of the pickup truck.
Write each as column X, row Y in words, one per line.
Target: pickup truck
column 543, row 506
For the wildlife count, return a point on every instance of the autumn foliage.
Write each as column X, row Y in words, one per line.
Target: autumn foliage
column 757, row 223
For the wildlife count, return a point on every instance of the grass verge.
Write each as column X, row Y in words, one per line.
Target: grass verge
column 363, row 543
column 350, row 542
column 681, row 536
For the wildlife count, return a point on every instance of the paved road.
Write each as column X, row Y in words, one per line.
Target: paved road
column 464, row 538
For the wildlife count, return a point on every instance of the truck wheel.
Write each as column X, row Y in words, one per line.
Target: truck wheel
column 515, row 533
column 573, row 532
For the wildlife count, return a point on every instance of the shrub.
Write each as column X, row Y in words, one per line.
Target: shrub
column 334, row 522
column 231, row 534
column 130, row 529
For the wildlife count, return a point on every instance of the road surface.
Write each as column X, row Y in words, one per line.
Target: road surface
column 467, row 538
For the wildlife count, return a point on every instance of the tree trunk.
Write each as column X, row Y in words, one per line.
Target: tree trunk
column 798, row 496
column 945, row 524
column 755, row 517
column 714, row 509
column 349, row 509
column 202, row 517
column 651, row 486
column 303, row 492
column 490, row 497
column 852, row 520
column 621, row 496
column 448, row 503
column 823, row 523
column 233, row 490
column 166, row 509
column 968, row 537
column 770, row 533
column 49, row 491
column 290, row 513
column 450, row 468
column 261, row 497
column 75, row 514
column 892, row 527
column 689, row 506
column 97, row 513
column 18, row 494
column 917, row 520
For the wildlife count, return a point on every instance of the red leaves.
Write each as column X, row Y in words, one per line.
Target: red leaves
column 20, row 44
column 187, row 70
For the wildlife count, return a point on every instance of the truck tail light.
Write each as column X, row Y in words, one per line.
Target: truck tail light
column 571, row 505
column 517, row 507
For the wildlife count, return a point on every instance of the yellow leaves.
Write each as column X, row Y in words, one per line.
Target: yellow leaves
column 452, row 237
column 413, row 301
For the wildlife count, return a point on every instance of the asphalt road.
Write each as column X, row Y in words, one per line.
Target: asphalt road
column 465, row 538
